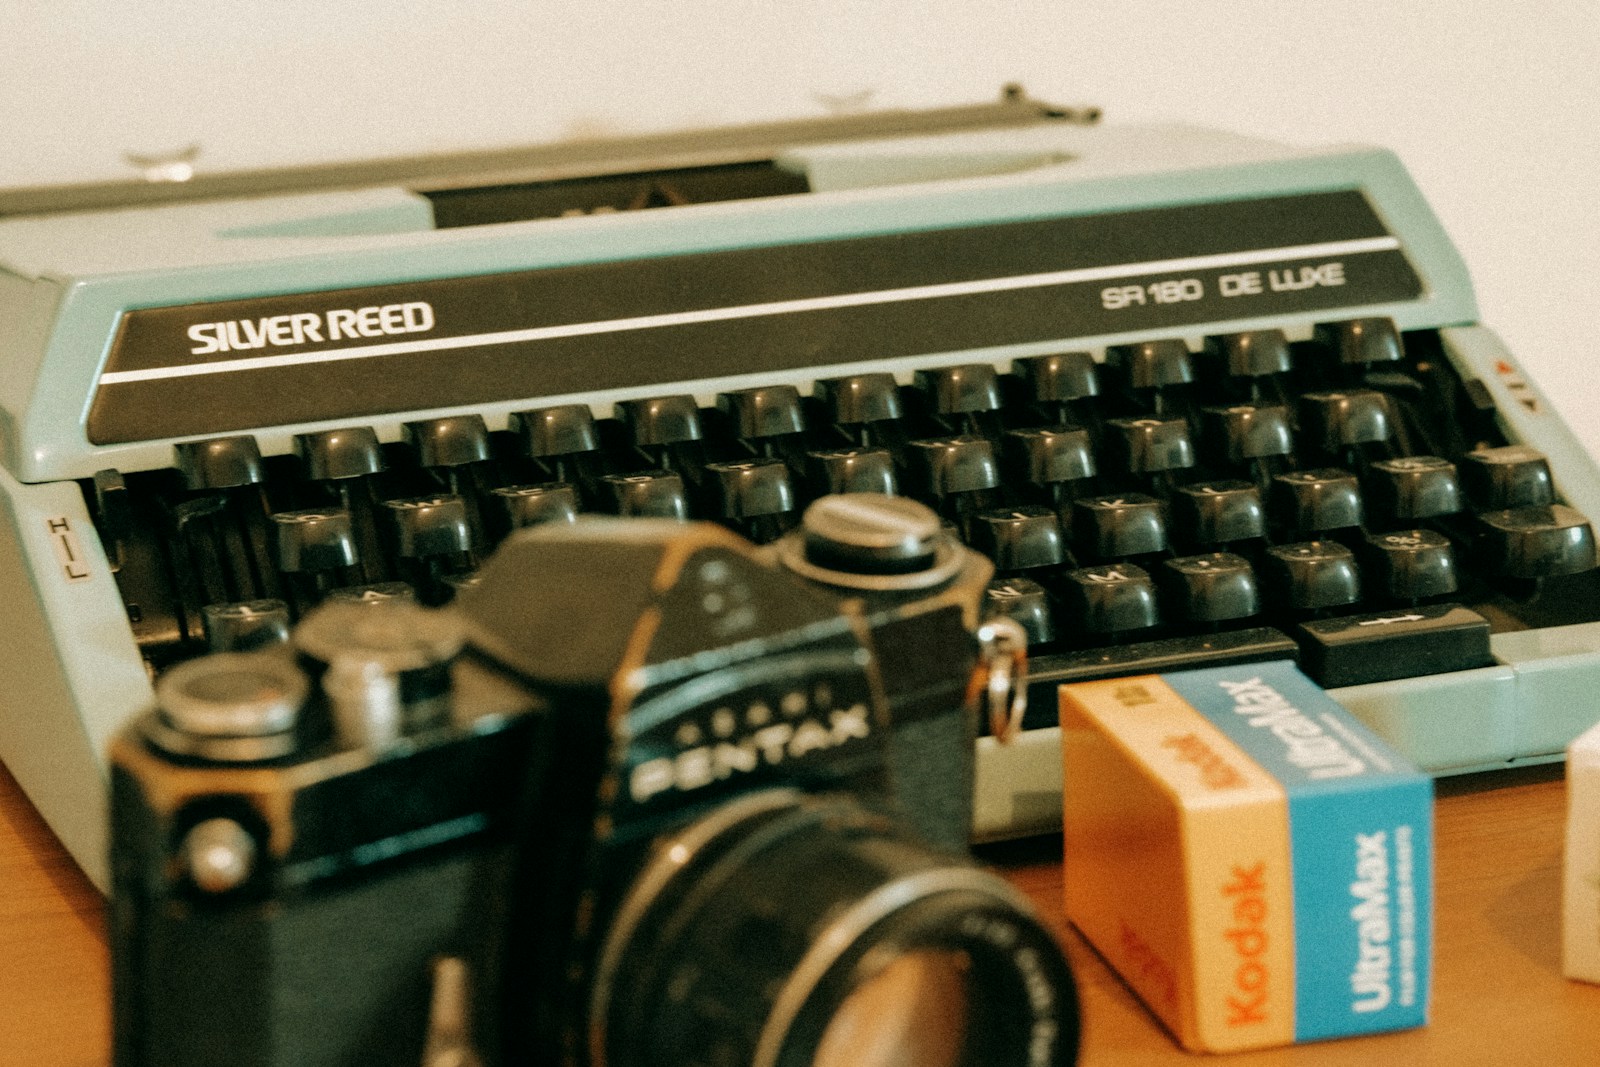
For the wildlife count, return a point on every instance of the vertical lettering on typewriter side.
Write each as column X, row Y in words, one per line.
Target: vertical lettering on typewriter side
column 73, row 561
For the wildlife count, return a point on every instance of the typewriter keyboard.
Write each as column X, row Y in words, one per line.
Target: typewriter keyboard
column 1347, row 500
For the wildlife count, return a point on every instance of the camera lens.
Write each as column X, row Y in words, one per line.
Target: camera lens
column 787, row 930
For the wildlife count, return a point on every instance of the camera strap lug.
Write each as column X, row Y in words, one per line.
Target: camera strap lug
column 1001, row 676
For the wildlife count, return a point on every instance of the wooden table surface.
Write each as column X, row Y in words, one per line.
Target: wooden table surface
column 1498, row 996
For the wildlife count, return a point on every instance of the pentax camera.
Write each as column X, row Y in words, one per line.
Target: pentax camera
column 641, row 796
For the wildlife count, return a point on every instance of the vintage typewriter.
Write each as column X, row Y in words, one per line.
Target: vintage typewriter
column 1203, row 399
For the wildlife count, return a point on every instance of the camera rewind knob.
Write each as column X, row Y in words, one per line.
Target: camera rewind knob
column 229, row 706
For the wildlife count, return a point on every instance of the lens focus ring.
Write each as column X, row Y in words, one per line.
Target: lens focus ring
column 716, row 953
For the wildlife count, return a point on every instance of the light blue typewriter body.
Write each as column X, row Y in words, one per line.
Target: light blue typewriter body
column 68, row 282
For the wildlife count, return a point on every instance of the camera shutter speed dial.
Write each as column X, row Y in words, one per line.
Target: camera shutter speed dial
column 387, row 666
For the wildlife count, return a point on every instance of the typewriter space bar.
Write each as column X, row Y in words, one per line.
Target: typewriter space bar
column 1049, row 670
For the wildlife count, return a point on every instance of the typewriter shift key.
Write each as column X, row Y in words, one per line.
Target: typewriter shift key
column 1402, row 643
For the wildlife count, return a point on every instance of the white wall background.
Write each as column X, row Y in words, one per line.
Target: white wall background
column 1495, row 106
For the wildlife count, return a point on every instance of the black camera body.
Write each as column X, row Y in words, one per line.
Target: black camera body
column 643, row 795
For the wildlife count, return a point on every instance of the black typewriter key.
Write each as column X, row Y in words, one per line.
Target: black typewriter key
column 750, row 489
column 427, row 526
column 1537, row 542
column 1345, row 418
column 1151, row 364
column 1399, row 643
column 1411, row 488
column 533, row 505
column 852, row 470
column 1511, row 476
column 1411, row 564
column 1312, row 575
column 1113, row 526
column 246, row 625
column 1218, row 513
column 220, row 463
column 334, row 455
column 1244, row 432
column 861, row 398
column 765, row 411
column 453, row 441
column 1251, row 354
column 1361, row 342
column 1059, row 378
column 961, row 390
column 1149, row 446
column 314, row 540
column 949, row 466
column 1043, row 456
column 1021, row 538
column 563, row 430
column 647, row 494
column 1215, row 587
column 662, row 420
column 1023, row 601
column 1317, row 501
column 1111, row 600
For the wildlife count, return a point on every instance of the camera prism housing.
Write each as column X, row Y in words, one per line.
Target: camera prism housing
column 643, row 795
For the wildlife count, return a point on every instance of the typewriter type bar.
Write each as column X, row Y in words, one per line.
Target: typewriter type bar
column 1204, row 400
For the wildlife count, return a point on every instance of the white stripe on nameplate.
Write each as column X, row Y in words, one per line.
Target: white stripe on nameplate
column 777, row 307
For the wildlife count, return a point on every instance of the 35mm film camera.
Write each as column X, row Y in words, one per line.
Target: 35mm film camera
column 642, row 796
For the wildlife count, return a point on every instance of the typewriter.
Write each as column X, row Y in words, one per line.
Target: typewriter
column 1203, row 399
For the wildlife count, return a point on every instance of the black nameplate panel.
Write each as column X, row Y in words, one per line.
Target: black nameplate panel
column 348, row 354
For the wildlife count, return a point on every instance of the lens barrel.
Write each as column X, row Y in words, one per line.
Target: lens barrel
column 764, row 933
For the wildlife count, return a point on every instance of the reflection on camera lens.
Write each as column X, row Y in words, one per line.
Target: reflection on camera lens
column 913, row 1013
column 787, row 930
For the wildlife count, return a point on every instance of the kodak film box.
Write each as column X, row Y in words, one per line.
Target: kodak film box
column 1254, row 862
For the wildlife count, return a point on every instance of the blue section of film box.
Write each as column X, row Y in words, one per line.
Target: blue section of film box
column 1361, row 846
